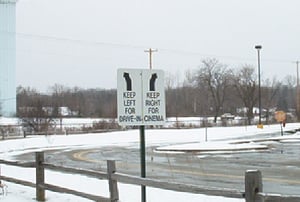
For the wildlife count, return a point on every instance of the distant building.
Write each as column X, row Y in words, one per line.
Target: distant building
column 7, row 58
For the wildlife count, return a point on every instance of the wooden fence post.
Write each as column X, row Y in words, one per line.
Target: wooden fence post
column 253, row 185
column 40, row 176
column 113, row 184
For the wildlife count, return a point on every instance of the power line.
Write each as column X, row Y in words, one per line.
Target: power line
column 78, row 41
column 98, row 43
column 8, row 99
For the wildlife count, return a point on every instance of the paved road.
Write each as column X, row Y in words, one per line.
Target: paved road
column 280, row 165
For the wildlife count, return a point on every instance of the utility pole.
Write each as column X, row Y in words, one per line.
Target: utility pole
column 297, row 93
column 150, row 51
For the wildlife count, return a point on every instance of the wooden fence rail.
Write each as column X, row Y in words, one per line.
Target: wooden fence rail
column 253, row 183
column 127, row 179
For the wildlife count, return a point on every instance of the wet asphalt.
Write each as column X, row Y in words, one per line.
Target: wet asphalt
column 280, row 165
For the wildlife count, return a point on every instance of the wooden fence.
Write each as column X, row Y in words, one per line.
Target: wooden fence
column 253, row 183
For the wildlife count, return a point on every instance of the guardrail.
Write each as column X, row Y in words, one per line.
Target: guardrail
column 253, row 183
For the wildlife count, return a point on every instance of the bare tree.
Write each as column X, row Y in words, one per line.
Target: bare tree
column 270, row 90
column 290, row 81
column 33, row 110
column 58, row 97
column 287, row 95
column 245, row 85
column 215, row 77
column 172, row 94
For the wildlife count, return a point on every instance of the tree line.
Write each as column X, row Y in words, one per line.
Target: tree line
column 210, row 90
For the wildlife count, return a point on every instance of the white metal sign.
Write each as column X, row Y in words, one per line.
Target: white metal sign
column 141, row 97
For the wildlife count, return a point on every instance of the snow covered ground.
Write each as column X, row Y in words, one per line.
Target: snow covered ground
column 182, row 139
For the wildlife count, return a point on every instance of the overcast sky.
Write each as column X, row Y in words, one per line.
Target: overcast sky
column 83, row 42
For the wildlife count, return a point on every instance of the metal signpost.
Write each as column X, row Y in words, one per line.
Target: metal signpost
column 141, row 102
column 280, row 116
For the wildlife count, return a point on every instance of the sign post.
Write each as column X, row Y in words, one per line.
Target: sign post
column 143, row 160
column 141, row 102
column 280, row 116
